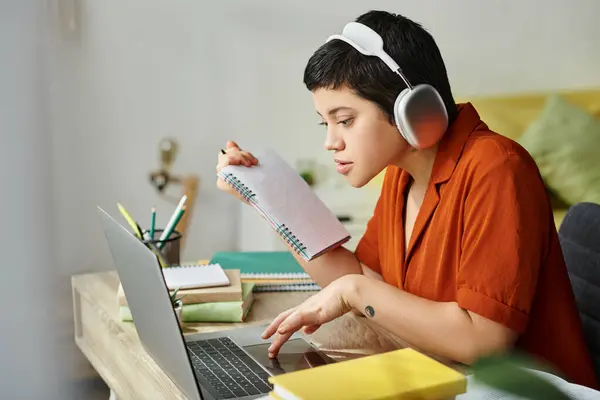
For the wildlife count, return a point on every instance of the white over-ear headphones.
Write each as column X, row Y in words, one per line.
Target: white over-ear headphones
column 419, row 111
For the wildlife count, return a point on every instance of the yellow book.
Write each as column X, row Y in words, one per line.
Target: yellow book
column 398, row 374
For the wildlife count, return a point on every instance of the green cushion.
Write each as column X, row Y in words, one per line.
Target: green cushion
column 564, row 141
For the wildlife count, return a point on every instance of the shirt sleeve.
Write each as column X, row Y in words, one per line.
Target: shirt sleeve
column 505, row 239
column 367, row 250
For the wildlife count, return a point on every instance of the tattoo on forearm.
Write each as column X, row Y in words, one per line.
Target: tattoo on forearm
column 370, row 311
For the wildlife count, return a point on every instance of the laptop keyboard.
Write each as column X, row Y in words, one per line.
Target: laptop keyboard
column 228, row 368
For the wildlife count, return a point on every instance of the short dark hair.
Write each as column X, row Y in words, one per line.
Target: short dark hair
column 336, row 64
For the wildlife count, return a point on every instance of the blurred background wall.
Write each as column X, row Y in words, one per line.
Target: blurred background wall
column 31, row 366
column 133, row 71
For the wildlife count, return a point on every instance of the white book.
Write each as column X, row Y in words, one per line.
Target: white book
column 278, row 192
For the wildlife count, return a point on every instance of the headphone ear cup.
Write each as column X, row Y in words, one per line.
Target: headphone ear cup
column 400, row 117
column 421, row 116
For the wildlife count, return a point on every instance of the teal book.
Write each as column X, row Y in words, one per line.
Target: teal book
column 222, row 311
column 261, row 264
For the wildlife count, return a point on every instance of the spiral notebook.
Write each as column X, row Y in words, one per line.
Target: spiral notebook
column 195, row 276
column 270, row 271
column 286, row 201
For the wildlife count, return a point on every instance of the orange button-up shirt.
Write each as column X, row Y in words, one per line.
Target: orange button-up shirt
column 485, row 238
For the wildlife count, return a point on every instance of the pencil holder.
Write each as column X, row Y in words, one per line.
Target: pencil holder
column 171, row 247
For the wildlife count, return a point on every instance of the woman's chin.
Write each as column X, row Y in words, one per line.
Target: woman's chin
column 357, row 180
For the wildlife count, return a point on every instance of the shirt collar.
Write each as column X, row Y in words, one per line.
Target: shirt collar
column 451, row 146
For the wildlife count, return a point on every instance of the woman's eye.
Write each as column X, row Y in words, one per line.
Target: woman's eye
column 323, row 123
column 345, row 122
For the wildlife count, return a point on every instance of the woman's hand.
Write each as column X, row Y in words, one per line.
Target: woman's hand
column 327, row 305
column 233, row 156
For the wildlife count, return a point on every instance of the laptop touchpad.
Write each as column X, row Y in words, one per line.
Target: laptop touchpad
column 295, row 354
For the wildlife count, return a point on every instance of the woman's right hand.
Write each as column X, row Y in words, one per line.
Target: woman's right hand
column 233, row 156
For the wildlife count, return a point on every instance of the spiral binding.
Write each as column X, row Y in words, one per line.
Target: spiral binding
column 190, row 265
column 287, row 288
column 291, row 239
column 239, row 187
column 281, row 229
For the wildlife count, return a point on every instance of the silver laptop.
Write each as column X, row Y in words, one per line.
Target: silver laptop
column 231, row 363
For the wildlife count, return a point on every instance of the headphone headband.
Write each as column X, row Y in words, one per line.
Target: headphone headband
column 369, row 43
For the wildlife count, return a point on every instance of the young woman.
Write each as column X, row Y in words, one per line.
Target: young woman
column 461, row 257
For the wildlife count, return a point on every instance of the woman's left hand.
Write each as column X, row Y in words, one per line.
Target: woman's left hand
column 328, row 304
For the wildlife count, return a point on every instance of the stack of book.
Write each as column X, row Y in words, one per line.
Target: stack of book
column 247, row 272
column 202, row 302
column 276, row 271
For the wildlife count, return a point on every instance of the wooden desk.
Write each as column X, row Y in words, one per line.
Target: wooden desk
column 114, row 349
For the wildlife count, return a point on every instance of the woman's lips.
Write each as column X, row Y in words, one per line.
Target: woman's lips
column 343, row 167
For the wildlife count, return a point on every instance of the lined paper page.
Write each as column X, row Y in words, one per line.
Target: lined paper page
column 283, row 195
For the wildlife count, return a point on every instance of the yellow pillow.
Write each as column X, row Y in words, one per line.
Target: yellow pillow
column 507, row 119
column 565, row 143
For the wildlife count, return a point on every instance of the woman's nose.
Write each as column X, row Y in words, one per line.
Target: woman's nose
column 333, row 141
